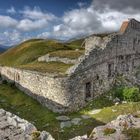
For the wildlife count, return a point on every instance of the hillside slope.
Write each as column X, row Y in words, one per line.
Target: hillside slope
column 3, row 48
column 25, row 54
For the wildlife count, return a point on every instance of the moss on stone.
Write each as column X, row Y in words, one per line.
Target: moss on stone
column 109, row 131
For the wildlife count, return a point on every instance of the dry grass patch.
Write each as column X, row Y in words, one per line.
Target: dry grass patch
column 50, row 67
column 72, row 54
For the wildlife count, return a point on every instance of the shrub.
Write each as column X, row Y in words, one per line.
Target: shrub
column 108, row 131
column 131, row 94
column 126, row 93
column 118, row 92
column 4, row 82
column 12, row 84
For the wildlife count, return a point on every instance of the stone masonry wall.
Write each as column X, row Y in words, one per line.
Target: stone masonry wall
column 50, row 91
column 96, row 71
column 48, row 58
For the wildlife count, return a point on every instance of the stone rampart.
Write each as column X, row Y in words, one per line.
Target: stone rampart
column 51, row 91
column 48, row 58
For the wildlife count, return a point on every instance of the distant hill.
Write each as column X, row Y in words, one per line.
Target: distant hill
column 28, row 51
column 3, row 48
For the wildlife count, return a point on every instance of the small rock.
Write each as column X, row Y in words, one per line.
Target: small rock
column 110, row 98
column 65, row 124
column 124, row 102
column 85, row 116
column 63, row 118
column 113, row 110
column 95, row 111
column 80, row 138
column 76, row 121
column 45, row 136
column 116, row 103
column 3, row 101
column 116, row 100
column 76, row 49
column 2, row 112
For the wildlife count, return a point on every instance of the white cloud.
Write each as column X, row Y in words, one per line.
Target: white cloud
column 7, row 21
column 78, row 22
column 74, row 23
column 37, row 13
column 10, row 38
column 29, row 25
column 11, row 10
column 85, row 21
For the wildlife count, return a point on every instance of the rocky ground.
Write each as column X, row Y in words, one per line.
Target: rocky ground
column 14, row 128
column 115, row 130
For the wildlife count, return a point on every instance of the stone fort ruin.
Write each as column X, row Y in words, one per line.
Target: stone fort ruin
column 106, row 55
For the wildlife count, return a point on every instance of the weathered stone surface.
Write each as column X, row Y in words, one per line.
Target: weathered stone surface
column 63, row 118
column 122, row 121
column 45, row 136
column 80, row 138
column 65, row 124
column 116, row 100
column 113, row 110
column 14, row 128
column 76, row 121
column 48, row 58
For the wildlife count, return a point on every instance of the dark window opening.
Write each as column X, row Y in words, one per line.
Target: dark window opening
column 110, row 70
column 88, row 90
column 97, row 77
column 128, row 57
column 17, row 78
column 121, row 57
column 127, row 67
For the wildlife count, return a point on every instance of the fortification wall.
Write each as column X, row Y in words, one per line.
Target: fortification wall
column 50, row 91
column 96, row 71
column 48, row 58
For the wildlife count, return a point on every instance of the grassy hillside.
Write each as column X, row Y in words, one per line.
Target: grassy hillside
column 27, row 52
column 75, row 43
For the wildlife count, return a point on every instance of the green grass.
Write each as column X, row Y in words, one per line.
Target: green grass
column 72, row 54
column 76, row 43
column 49, row 67
column 27, row 53
column 15, row 101
column 30, row 50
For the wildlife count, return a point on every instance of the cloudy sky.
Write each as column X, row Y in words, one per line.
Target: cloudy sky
column 62, row 19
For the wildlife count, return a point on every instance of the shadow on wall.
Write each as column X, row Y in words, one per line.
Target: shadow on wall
column 55, row 107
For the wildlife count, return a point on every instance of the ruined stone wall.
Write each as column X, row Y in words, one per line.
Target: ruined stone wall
column 50, row 91
column 48, row 58
column 99, row 66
